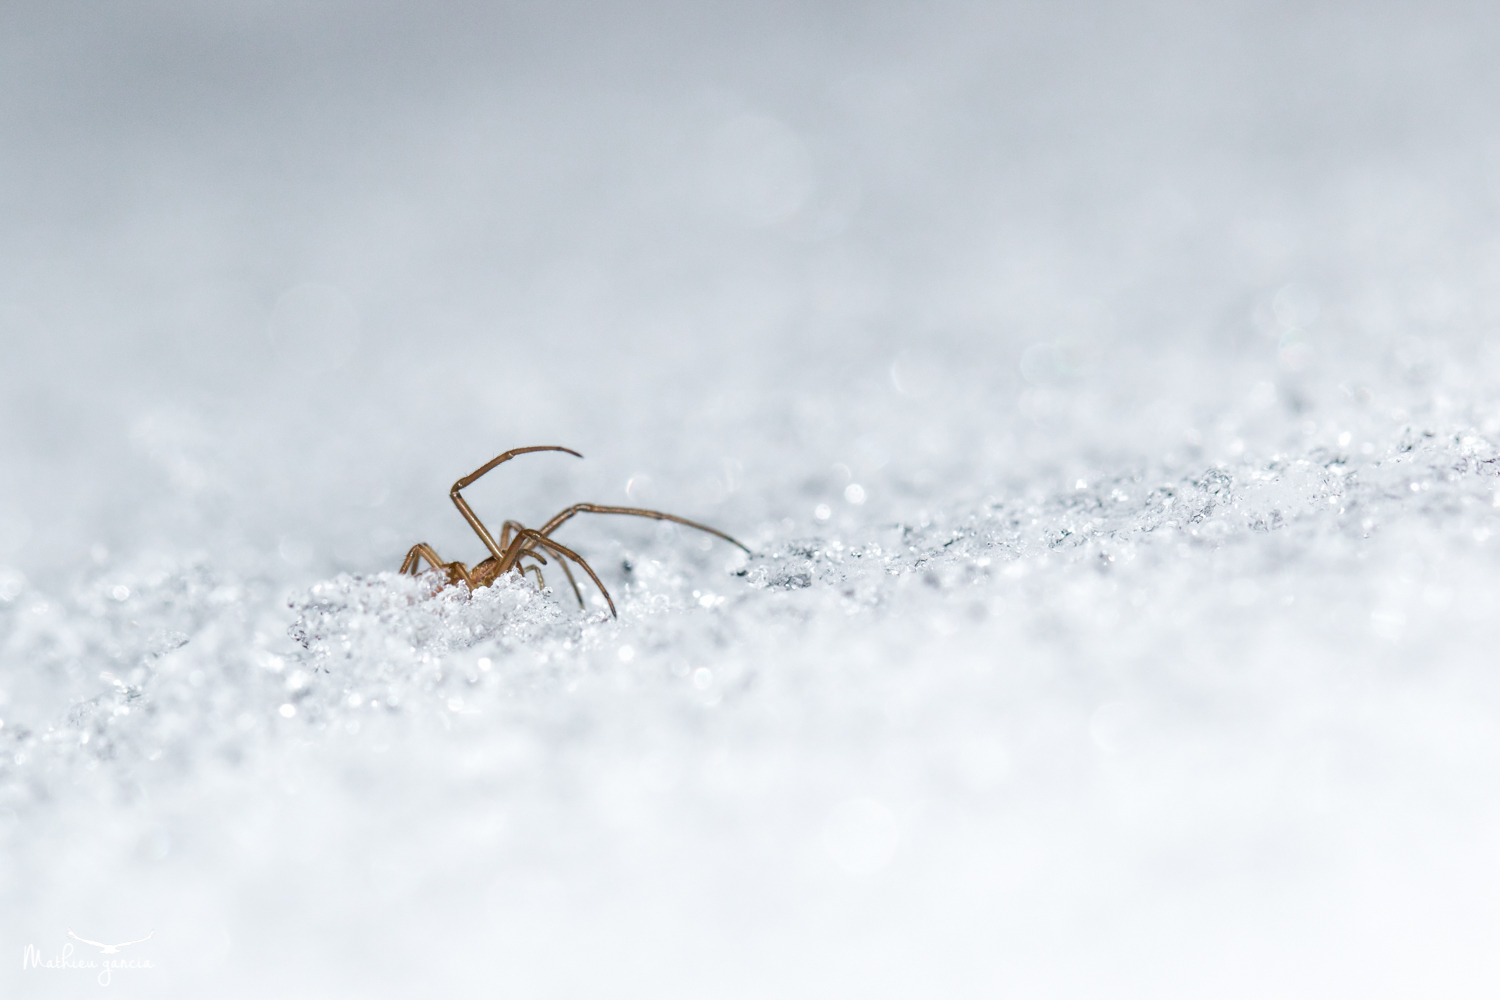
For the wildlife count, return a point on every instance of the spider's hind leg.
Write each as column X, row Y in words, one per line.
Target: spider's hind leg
column 571, row 582
column 541, row 584
column 530, row 549
column 454, row 571
column 563, row 554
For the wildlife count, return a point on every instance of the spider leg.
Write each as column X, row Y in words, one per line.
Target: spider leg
column 506, row 529
column 419, row 551
column 496, row 549
column 571, row 582
column 563, row 552
column 509, row 526
column 568, row 513
column 455, row 571
column 540, row 583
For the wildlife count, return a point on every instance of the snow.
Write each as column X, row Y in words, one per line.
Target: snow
column 1109, row 398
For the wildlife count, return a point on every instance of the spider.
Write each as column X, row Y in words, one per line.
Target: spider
column 507, row 554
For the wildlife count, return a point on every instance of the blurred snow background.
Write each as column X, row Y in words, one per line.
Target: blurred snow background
column 1109, row 393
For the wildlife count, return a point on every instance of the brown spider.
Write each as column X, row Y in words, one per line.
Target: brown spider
column 506, row 555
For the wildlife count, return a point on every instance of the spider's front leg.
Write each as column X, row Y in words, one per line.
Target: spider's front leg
column 456, row 495
column 568, row 513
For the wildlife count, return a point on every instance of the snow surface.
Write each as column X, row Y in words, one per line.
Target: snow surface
column 1109, row 394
